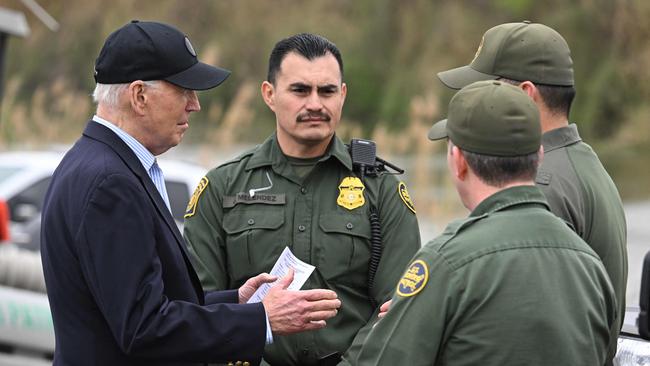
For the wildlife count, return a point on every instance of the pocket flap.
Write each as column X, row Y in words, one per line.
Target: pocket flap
column 345, row 224
column 237, row 222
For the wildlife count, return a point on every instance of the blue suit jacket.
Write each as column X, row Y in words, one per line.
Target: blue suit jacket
column 121, row 287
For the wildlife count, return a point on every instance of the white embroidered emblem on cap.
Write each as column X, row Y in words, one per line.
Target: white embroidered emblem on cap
column 189, row 47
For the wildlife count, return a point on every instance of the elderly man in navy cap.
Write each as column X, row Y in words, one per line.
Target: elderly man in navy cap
column 120, row 284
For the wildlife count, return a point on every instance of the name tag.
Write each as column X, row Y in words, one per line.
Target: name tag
column 245, row 198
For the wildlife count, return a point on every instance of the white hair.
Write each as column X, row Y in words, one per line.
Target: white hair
column 109, row 94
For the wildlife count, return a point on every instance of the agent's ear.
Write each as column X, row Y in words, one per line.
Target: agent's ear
column 458, row 163
column 529, row 88
column 268, row 94
column 344, row 92
column 540, row 155
column 138, row 97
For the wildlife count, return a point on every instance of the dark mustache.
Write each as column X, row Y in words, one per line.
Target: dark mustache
column 313, row 115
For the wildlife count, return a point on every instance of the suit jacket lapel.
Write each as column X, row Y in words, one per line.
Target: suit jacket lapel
column 101, row 133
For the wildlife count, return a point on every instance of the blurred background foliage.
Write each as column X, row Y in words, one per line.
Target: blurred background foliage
column 392, row 50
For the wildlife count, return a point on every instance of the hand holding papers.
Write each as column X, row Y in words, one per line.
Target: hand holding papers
column 289, row 309
column 280, row 269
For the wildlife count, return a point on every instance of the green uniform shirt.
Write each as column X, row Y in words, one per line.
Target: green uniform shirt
column 509, row 285
column 580, row 191
column 234, row 236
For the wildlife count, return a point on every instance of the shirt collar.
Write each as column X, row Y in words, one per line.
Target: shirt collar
column 510, row 197
column 560, row 137
column 145, row 156
column 269, row 153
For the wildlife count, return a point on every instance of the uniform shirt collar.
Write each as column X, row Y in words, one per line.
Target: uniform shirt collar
column 560, row 137
column 269, row 153
column 145, row 156
column 509, row 197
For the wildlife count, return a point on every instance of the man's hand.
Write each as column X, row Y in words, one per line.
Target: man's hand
column 252, row 284
column 383, row 309
column 297, row 311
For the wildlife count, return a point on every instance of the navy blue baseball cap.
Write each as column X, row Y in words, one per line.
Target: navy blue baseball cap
column 154, row 51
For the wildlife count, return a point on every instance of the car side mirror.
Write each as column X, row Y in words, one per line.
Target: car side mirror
column 643, row 321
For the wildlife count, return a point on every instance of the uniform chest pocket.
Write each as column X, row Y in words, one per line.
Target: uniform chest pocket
column 345, row 249
column 254, row 240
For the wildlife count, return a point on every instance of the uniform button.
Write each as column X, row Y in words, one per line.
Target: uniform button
column 231, row 364
column 238, row 363
column 301, row 228
column 303, row 190
column 305, row 352
column 349, row 226
column 251, row 221
column 246, row 363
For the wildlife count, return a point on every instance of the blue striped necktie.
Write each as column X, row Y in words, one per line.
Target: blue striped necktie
column 158, row 179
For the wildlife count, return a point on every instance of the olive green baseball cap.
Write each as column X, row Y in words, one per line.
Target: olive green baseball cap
column 517, row 51
column 491, row 118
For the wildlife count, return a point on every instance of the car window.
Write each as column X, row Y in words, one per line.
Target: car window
column 32, row 198
column 179, row 196
column 7, row 171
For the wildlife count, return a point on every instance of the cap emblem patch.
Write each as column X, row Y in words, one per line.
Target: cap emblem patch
column 414, row 279
column 189, row 47
column 478, row 51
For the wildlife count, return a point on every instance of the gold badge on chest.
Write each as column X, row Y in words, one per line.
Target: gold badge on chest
column 351, row 193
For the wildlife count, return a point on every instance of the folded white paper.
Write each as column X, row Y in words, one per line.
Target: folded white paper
column 281, row 267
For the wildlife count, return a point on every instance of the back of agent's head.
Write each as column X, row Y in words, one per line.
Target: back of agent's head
column 519, row 52
column 497, row 127
column 307, row 45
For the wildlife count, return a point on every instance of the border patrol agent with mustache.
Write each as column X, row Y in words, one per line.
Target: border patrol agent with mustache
column 299, row 189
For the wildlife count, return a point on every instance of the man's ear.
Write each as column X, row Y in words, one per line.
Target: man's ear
column 540, row 155
column 459, row 163
column 268, row 94
column 344, row 92
column 138, row 98
column 529, row 88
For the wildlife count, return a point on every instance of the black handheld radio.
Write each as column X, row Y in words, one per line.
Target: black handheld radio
column 366, row 163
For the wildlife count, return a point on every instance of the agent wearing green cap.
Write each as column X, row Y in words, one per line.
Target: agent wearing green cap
column 511, row 284
column 577, row 187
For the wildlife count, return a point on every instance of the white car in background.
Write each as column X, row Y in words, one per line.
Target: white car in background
column 26, row 331
column 25, row 177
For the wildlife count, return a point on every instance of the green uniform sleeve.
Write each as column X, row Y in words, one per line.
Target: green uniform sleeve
column 205, row 237
column 416, row 327
column 400, row 242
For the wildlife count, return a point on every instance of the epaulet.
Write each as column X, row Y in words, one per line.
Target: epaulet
column 239, row 157
column 456, row 227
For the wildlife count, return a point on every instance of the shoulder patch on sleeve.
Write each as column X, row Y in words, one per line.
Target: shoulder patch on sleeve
column 191, row 206
column 414, row 279
column 405, row 196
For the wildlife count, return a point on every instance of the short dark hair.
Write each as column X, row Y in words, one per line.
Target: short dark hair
column 305, row 44
column 497, row 171
column 558, row 99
